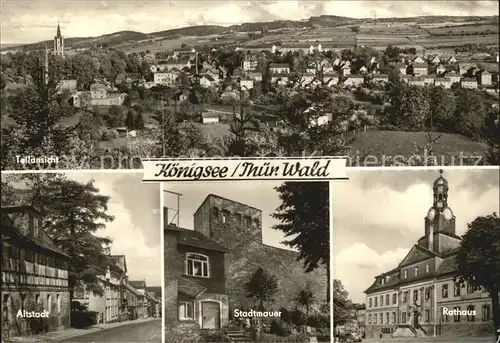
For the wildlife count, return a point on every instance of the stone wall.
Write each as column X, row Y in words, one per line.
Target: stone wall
column 282, row 263
column 59, row 311
column 173, row 265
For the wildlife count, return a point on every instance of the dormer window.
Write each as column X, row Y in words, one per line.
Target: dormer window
column 197, row 265
column 416, row 271
column 405, row 274
column 248, row 221
column 427, row 268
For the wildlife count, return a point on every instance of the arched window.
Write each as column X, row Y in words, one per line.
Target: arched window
column 197, row 265
column 186, row 310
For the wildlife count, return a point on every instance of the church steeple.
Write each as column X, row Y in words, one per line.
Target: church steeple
column 58, row 42
column 58, row 31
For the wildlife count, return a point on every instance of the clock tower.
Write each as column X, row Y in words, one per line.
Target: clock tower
column 440, row 220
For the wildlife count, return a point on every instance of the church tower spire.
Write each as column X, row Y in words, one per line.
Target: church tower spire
column 59, row 42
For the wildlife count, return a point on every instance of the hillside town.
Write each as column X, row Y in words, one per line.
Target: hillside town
column 210, row 96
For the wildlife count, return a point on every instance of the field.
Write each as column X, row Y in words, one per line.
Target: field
column 463, row 29
column 448, row 148
column 452, row 41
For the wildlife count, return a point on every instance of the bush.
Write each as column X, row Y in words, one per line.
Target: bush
column 83, row 319
column 318, row 321
column 109, row 134
column 279, row 328
column 218, row 336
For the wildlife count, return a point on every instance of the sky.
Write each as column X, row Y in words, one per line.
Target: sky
column 136, row 230
column 28, row 21
column 379, row 215
column 258, row 194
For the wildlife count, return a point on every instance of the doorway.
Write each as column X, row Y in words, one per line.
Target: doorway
column 210, row 312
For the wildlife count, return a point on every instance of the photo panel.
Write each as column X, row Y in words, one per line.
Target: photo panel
column 414, row 255
column 246, row 261
column 81, row 257
column 85, row 89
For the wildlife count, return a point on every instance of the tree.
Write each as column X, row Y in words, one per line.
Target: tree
column 115, row 116
column 72, row 213
column 261, row 287
column 410, row 107
column 341, row 304
column 470, row 113
column 305, row 298
column 304, row 214
column 478, row 259
column 492, row 134
column 443, row 105
column 139, row 121
column 130, row 120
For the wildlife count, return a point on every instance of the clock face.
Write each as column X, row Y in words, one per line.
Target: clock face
column 431, row 214
column 448, row 214
column 439, row 204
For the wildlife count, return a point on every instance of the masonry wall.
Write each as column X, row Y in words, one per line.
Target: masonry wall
column 13, row 301
column 173, row 263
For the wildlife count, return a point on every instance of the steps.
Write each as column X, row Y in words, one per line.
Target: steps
column 237, row 335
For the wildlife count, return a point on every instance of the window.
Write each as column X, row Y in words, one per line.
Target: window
column 405, row 297
column 456, row 289
column 186, row 310
column 486, row 312
column 369, row 319
column 427, row 316
column 405, row 274
column 394, row 298
column 239, row 218
column 197, row 265
column 403, row 317
column 225, row 216
column 415, row 295
column 5, row 309
column 456, row 315
column 35, row 226
column 381, row 317
column 370, row 302
column 393, row 317
column 216, row 212
column 248, row 221
column 376, row 301
column 374, row 318
column 49, row 303
column 427, row 268
column 444, row 316
column 416, row 271
column 470, row 288
column 471, row 315
column 387, row 299
column 427, row 293
column 444, row 291
column 381, row 300
column 387, row 317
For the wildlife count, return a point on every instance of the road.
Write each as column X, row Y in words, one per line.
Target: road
column 433, row 340
column 147, row 332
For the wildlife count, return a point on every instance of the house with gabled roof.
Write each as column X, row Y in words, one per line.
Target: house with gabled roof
column 34, row 273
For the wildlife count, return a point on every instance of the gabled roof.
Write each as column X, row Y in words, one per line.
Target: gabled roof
column 196, row 239
column 417, row 253
column 10, row 230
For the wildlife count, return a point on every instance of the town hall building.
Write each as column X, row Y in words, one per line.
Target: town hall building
column 408, row 301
